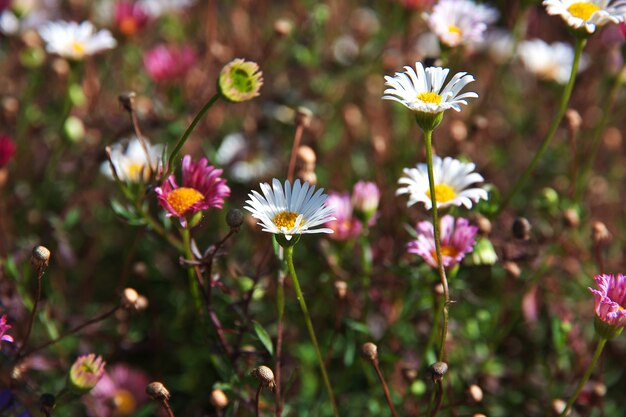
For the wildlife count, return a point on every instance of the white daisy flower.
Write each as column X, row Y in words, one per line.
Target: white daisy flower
column 452, row 179
column 587, row 14
column 551, row 62
column 291, row 211
column 458, row 22
column 129, row 160
column 75, row 41
column 157, row 8
column 420, row 90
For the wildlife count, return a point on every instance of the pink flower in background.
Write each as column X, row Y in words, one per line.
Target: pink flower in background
column 7, row 150
column 417, row 4
column 344, row 226
column 4, row 328
column 4, row 4
column 119, row 393
column 202, row 188
column 167, row 62
column 130, row 17
column 611, row 299
column 85, row 373
column 365, row 199
column 457, row 239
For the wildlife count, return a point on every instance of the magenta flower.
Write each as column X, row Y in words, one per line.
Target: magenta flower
column 365, row 199
column 168, row 63
column 130, row 17
column 7, row 149
column 201, row 189
column 344, row 226
column 4, row 328
column 120, row 392
column 610, row 303
column 457, row 239
column 86, row 372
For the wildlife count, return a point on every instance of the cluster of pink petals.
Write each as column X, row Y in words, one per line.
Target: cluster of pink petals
column 120, row 380
column 365, row 198
column 130, row 16
column 168, row 62
column 7, row 149
column 457, row 239
column 611, row 299
column 87, row 371
column 345, row 226
column 4, row 328
column 200, row 176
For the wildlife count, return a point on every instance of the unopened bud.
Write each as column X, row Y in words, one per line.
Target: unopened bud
column 265, row 376
column 40, row 257
column 341, row 289
column 219, row 399
column 46, row 403
column 142, row 303
column 573, row 120
column 475, row 392
column 558, row 405
column 283, row 27
column 369, row 351
column 303, row 116
column 599, row 233
column 306, row 157
column 484, row 225
column 521, row 228
column 234, row 218
column 129, row 298
column 571, row 218
column 157, row 391
column 127, row 100
column 438, row 370
column 409, row 373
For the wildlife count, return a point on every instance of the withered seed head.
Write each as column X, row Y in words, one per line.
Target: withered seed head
column 129, row 298
column 438, row 370
column 341, row 289
column 40, row 257
column 157, row 391
column 521, row 228
column 599, row 233
column 234, row 218
column 219, row 399
column 127, row 100
column 304, row 116
column 369, row 351
column 265, row 376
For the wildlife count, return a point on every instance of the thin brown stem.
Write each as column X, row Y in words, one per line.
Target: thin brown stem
column 40, row 272
column 257, row 400
column 294, row 150
column 168, row 409
column 438, row 398
column 385, row 388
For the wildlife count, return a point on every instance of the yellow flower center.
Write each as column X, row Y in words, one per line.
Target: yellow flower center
column 583, row 10
column 443, row 193
column 78, row 48
column 124, row 402
column 286, row 219
column 136, row 171
column 182, row 198
column 450, row 251
column 128, row 26
column 429, row 97
column 454, row 29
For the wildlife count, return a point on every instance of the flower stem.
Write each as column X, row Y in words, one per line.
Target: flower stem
column 191, row 274
column 567, row 92
column 428, row 135
column 309, row 326
column 190, row 129
column 586, row 376
column 280, row 309
column 40, row 272
column 385, row 387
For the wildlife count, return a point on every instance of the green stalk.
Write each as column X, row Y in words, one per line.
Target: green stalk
column 586, row 376
column 190, row 129
column 428, row 135
column 309, row 326
column 567, row 92
column 191, row 274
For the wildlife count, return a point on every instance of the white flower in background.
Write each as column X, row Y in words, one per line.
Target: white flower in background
column 156, row 8
column 23, row 15
column 245, row 162
column 551, row 62
column 587, row 14
column 75, row 41
column 452, row 179
column 129, row 160
column 498, row 44
column 458, row 22
column 292, row 211
column 422, row 91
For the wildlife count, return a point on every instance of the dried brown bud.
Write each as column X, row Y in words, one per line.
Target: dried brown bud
column 40, row 257
column 558, row 405
column 573, row 120
column 484, row 225
column 571, row 217
column 438, row 370
column 129, row 298
column 46, row 403
column 475, row 392
column 304, row 116
column 127, row 100
column 157, row 391
column 265, row 376
column 458, row 130
column 369, row 351
column 306, row 157
column 521, row 228
column 219, row 399
column 141, row 304
column 599, row 233
column 479, row 123
column 512, row 269
column 341, row 289
column 283, row 27
column 234, row 218
column 409, row 373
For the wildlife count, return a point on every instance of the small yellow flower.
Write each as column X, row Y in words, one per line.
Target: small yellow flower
column 240, row 80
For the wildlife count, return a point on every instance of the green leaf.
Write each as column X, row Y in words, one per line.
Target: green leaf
column 264, row 337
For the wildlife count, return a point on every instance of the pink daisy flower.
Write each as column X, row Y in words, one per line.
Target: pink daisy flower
column 130, row 17
column 611, row 300
column 344, row 226
column 202, row 188
column 168, row 62
column 120, row 392
column 457, row 239
column 4, row 328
